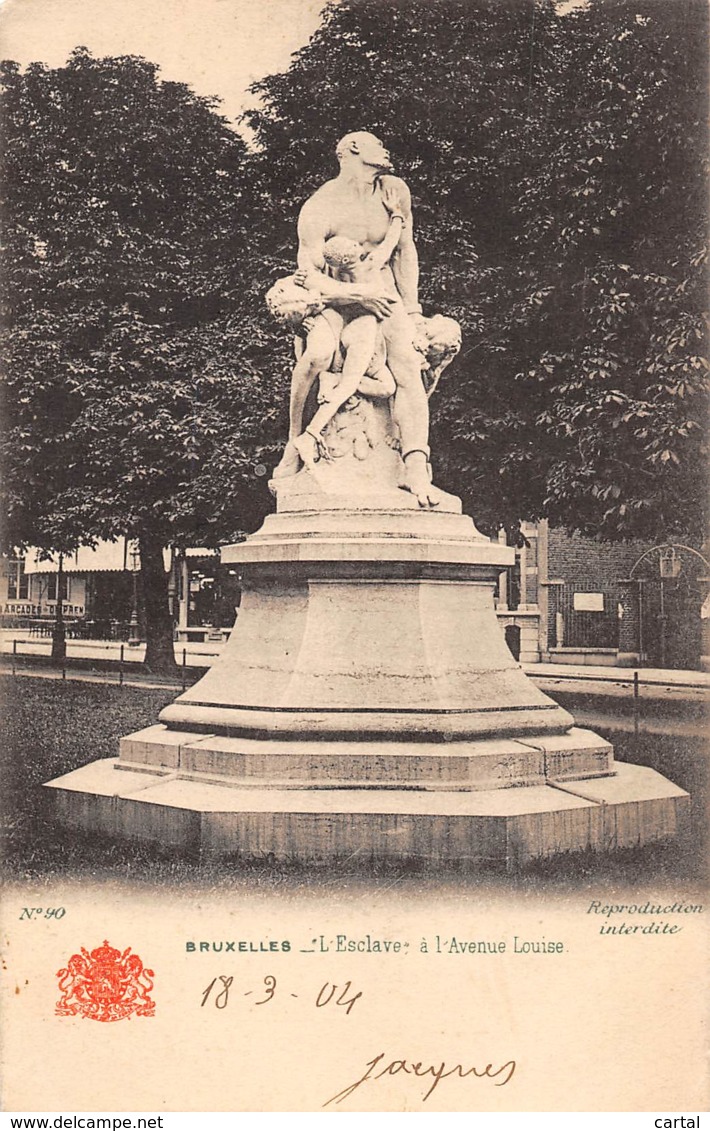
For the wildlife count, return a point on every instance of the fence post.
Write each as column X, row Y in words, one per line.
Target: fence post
column 636, row 704
column 184, row 668
column 14, row 657
column 120, row 667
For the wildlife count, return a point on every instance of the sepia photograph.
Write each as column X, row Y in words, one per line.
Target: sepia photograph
column 355, row 564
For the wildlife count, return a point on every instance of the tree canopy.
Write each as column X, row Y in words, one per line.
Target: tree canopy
column 132, row 406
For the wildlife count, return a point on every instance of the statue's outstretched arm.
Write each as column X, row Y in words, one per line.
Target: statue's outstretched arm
column 382, row 254
column 405, row 261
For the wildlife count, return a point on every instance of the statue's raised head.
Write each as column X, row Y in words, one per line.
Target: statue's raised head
column 363, row 147
column 290, row 303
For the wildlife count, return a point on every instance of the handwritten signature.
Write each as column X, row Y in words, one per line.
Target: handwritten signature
column 417, row 1068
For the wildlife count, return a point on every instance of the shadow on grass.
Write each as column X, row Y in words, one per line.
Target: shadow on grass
column 52, row 728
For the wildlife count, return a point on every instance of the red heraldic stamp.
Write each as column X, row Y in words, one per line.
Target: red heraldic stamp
column 105, row 985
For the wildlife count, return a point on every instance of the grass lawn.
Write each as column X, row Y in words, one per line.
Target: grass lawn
column 51, row 727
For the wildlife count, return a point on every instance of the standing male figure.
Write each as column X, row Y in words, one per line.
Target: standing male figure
column 360, row 204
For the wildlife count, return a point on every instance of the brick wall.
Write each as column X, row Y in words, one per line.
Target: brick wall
column 588, row 564
column 585, row 565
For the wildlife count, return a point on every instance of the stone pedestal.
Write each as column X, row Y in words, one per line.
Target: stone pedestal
column 367, row 706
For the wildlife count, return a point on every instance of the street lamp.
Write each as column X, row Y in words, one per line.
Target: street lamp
column 669, row 562
column 134, row 637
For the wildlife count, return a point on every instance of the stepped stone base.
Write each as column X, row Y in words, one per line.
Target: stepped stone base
column 469, row 827
column 466, row 803
column 368, row 764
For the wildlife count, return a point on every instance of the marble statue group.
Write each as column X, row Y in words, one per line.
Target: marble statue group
column 353, row 305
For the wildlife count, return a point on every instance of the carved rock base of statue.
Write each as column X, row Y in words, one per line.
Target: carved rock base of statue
column 366, row 706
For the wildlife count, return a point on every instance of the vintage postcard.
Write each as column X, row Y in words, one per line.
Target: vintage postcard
column 355, row 601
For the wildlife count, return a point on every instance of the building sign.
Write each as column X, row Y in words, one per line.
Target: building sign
column 67, row 609
column 588, row 602
column 48, row 609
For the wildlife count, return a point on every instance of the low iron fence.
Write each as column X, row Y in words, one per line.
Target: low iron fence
column 120, row 664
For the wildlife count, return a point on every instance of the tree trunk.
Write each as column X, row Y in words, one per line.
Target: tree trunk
column 159, row 649
column 59, row 634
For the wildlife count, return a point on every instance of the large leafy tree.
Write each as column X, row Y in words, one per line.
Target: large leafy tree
column 134, row 403
column 556, row 161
